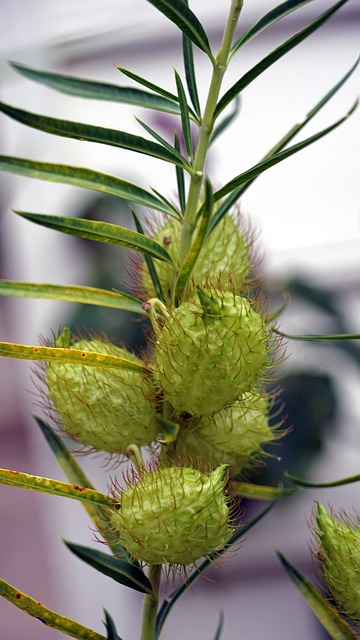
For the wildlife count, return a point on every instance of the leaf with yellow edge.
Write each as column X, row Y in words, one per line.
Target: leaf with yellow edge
column 45, row 615
column 258, row 492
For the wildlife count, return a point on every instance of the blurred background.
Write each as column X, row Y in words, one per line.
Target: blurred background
column 307, row 214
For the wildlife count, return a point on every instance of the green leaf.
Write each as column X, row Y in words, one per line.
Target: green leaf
column 219, row 628
column 329, row 617
column 169, row 601
column 272, row 57
column 150, row 265
column 322, row 485
column 90, row 89
column 110, row 627
column 170, row 430
column 218, row 130
column 46, row 616
column 74, row 356
column 54, row 487
column 185, row 120
column 190, row 75
column 150, row 85
column 85, row 178
column 101, row 232
column 180, row 179
column 235, row 195
column 71, row 293
column 75, row 475
column 186, row 20
column 119, row 570
column 258, row 492
column 271, row 17
column 161, row 140
column 316, row 338
column 278, row 157
column 91, row 133
column 190, row 260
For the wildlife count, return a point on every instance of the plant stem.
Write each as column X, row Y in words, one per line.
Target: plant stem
column 150, row 606
column 205, row 130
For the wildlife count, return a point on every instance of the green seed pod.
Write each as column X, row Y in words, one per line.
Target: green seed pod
column 103, row 408
column 225, row 259
column 340, row 556
column 207, row 355
column 174, row 515
column 234, row 436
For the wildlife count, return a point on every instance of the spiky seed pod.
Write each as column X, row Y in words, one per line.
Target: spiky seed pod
column 340, row 557
column 174, row 515
column 234, row 436
column 225, row 258
column 207, row 355
column 105, row 409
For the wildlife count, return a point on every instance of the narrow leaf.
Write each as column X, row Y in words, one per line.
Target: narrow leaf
column 55, row 487
column 190, row 75
column 119, row 570
column 110, row 627
column 258, row 492
column 46, row 616
column 71, row 293
column 101, row 232
column 179, row 13
column 91, row 133
column 316, row 338
column 180, row 179
column 161, row 140
column 190, row 260
column 278, row 157
column 90, row 89
column 74, row 356
column 85, row 178
column 329, row 617
column 75, row 474
column 275, row 55
column 322, row 485
column 185, row 120
column 273, row 16
column 224, row 124
column 150, row 85
column 219, row 628
column 150, row 264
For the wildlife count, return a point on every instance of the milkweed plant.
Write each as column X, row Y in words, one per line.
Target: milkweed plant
column 185, row 420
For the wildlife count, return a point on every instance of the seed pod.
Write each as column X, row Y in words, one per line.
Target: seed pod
column 234, row 436
column 103, row 408
column 225, row 259
column 340, row 556
column 207, row 355
column 174, row 515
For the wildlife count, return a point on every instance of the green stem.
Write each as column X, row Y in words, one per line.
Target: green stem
column 150, row 606
column 219, row 68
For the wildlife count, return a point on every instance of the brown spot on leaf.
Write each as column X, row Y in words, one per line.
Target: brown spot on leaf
column 18, row 596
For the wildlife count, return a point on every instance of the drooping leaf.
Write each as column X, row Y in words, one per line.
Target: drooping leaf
column 74, row 356
column 272, row 57
column 150, row 265
column 223, row 125
column 71, row 293
column 46, row 616
column 185, row 119
column 169, row 601
column 178, row 12
column 322, row 485
column 120, row 570
column 220, row 626
column 190, row 260
column 258, row 492
column 329, row 617
column 271, row 17
column 55, row 487
column 91, row 133
column 101, row 232
column 180, row 179
column 230, row 200
column 93, row 90
column 75, row 474
column 190, row 75
column 85, row 178
column 110, row 627
column 278, row 157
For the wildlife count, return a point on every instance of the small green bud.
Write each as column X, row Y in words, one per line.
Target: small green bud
column 233, row 436
column 106, row 409
column 205, row 362
column 340, row 556
column 174, row 515
column 225, row 259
